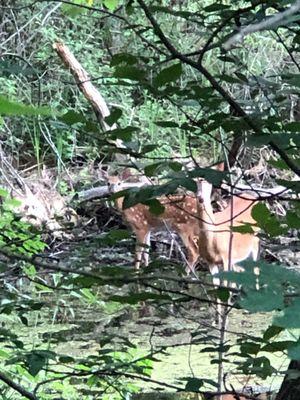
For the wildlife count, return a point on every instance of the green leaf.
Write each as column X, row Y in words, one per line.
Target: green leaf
column 259, row 140
column 260, row 366
column 273, row 347
column 129, row 72
column 292, row 127
column 290, row 316
column 118, row 234
column 168, row 75
column 211, row 175
column 188, row 184
column 159, row 167
column 122, row 133
column 24, row 320
column 72, row 117
column 273, row 228
column 279, row 164
column 8, row 107
column 88, row 295
column 115, row 114
column 230, row 79
column 155, row 207
column 250, row 348
column 134, row 196
column 151, row 170
column 193, row 385
column 3, row 193
column 293, row 185
column 292, row 79
column 123, row 58
column 72, row 10
column 111, row 4
column 37, row 360
column 12, row 203
column 216, row 7
column 227, row 59
column 3, row 354
column 242, row 77
column 245, row 228
column 272, row 331
column 66, row 359
column 221, row 293
column 167, row 124
column 266, row 220
column 148, row 148
column 293, row 220
column 263, row 300
column 175, row 166
column 294, row 353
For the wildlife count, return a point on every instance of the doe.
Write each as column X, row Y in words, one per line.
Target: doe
column 221, row 247
column 218, row 244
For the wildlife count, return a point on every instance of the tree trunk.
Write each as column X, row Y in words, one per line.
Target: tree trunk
column 290, row 388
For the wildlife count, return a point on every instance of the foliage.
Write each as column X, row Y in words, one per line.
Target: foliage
column 170, row 100
column 15, row 234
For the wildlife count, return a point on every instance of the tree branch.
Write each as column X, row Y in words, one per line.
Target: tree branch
column 17, row 387
column 214, row 83
column 269, row 23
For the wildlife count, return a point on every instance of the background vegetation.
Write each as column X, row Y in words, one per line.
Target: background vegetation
column 77, row 322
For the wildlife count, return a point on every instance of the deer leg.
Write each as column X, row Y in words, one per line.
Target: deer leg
column 255, row 248
column 255, row 257
column 146, row 249
column 192, row 259
column 214, row 270
column 171, row 247
column 255, row 252
column 141, row 241
column 192, row 253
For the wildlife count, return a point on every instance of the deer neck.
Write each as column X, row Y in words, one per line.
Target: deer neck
column 206, row 228
column 119, row 203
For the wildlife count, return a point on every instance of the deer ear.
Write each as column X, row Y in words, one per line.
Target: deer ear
column 219, row 167
column 126, row 174
column 104, row 174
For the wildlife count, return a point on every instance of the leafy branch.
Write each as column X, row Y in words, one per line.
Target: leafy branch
column 270, row 23
column 18, row 388
column 226, row 96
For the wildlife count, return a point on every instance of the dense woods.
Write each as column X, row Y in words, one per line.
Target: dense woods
column 149, row 199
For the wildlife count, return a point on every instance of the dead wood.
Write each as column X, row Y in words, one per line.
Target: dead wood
column 102, row 191
column 85, row 85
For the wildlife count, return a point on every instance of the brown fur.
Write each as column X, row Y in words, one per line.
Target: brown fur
column 219, row 248
column 218, row 245
column 180, row 216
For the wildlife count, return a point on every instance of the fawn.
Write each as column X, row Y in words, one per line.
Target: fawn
column 180, row 215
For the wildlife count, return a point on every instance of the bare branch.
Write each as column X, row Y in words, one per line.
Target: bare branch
column 87, row 88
